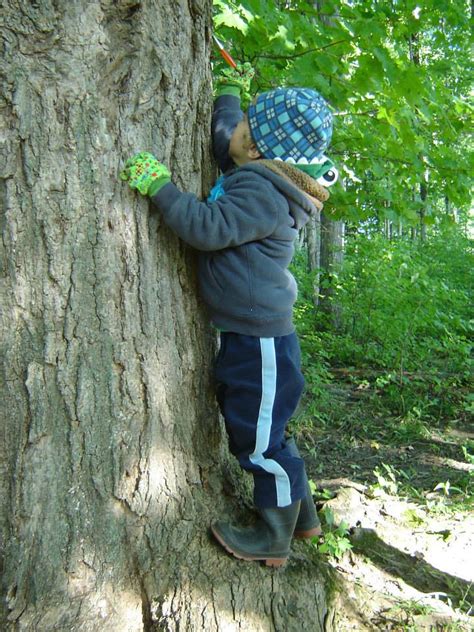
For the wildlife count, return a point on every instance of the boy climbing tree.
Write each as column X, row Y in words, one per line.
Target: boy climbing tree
column 274, row 176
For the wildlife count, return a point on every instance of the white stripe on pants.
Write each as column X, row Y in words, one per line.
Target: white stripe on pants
column 264, row 423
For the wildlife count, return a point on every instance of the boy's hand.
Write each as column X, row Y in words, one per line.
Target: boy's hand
column 235, row 81
column 144, row 173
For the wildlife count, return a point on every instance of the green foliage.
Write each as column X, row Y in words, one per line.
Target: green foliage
column 406, row 315
column 442, row 499
column 406, row 304
column 386, row 480
column 468, row 457
column 447, row 498
column 397, row 75
column 336, row 537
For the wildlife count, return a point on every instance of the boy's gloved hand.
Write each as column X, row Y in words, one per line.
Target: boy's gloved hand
column 144, row 173
column 235, row 81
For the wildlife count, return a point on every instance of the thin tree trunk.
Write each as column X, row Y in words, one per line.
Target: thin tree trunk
column 332, row 232
column 423, row 198
column 313, row 244
column 447, row 205
column 332, row 255
column 416, row 59
column 113, row 458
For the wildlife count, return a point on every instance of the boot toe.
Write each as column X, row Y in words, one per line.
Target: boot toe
column 240, row 543
column 227, row 536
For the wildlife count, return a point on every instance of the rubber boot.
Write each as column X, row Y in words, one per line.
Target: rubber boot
column 267, row 541
column 308, row 524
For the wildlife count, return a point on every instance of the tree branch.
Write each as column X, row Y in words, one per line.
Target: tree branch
column 305, row 52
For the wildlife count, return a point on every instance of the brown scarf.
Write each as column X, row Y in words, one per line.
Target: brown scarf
column 312, row 189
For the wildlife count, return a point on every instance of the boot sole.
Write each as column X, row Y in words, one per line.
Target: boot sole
column 269, row 561
column 308, row 533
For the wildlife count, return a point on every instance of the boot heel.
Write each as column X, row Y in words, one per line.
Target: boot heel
column 308, row 533
column 275, row 561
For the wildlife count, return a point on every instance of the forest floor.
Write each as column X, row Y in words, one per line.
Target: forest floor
column 405, row 493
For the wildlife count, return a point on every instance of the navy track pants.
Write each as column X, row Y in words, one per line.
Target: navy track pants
column 259, row 384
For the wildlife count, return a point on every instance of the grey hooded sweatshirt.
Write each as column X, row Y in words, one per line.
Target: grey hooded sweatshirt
column 245, row 240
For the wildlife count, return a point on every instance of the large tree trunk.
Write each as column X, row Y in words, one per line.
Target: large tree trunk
column 113, row 458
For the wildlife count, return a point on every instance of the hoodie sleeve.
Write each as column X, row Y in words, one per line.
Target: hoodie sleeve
column 229, row 221
column 227, row 114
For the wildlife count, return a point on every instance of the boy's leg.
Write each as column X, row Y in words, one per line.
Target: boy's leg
column 308, row 524
column 259, row 386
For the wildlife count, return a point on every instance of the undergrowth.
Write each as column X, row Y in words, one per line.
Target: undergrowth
column 402, row 348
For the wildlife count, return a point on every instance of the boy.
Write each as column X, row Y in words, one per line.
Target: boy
column 245, row 233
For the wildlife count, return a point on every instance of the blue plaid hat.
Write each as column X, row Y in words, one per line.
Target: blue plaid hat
column 291, row 124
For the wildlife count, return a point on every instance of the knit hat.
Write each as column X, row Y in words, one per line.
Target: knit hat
column 291, row 124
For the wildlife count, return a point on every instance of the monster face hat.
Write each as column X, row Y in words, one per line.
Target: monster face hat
column 294, row 125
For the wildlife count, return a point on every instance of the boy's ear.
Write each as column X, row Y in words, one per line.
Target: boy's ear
column 253, row 152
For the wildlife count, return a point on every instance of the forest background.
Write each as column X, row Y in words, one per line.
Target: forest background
column 386, row 327
column 114, row 459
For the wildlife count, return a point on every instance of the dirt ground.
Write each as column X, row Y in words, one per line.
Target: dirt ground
column 411, row 567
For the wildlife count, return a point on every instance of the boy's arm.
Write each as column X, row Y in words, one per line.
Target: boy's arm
column 227, row 112
column 247, row 212
column 227, row 222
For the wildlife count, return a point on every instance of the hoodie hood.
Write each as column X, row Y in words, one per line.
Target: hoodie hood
column 305, row 195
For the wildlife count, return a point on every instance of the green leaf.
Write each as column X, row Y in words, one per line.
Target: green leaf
column 399, row 87
column 233, row 20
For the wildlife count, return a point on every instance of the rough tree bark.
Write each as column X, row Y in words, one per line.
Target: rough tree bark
column 113, row 457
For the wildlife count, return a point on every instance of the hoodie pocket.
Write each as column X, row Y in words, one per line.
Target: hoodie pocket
column 250, row 279
column 212, row 273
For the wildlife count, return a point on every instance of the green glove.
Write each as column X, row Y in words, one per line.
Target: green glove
column 235, row 81
column 145, row 173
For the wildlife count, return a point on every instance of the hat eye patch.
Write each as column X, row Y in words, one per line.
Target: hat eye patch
column 329, row 178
